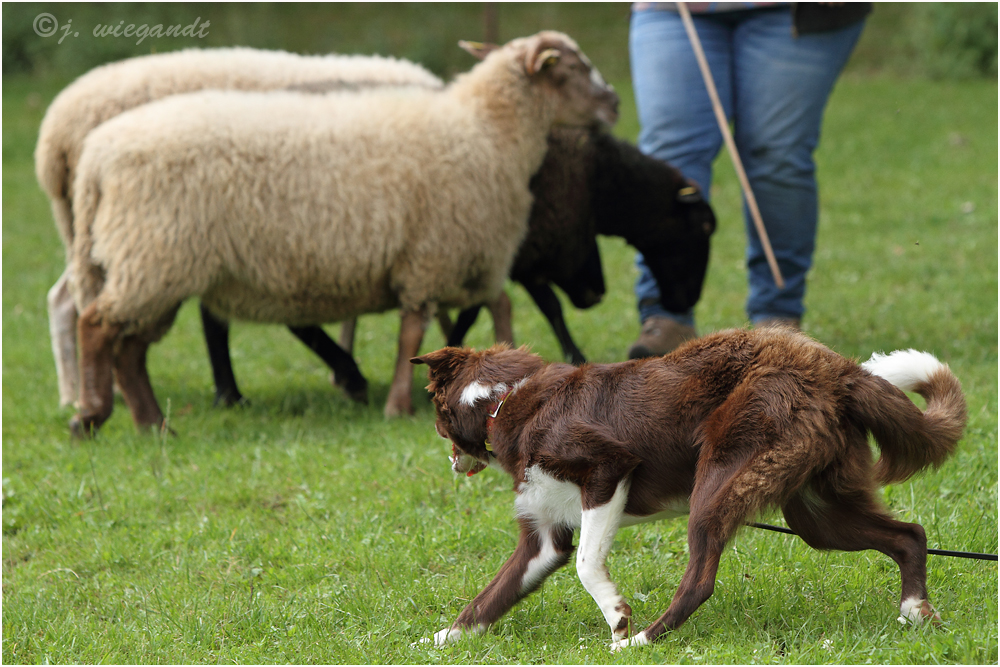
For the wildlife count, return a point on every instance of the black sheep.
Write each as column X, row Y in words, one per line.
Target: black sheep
column 590, row 183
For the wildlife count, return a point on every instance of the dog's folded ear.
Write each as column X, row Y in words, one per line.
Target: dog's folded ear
column 446, row 356
column 444, row 363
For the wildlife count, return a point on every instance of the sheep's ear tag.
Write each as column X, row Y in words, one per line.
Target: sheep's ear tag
column 546, row 58
column 688, row 195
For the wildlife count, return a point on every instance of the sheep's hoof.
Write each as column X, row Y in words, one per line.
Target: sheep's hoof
column 358, row 394
column 228, row 400
column 82, row 428
column 356, row 389
column 155, row 428
column 394, row 410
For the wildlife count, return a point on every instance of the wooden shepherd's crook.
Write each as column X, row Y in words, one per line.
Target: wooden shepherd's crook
column 720, row 116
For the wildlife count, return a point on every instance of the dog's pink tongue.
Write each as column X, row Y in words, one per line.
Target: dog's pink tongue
column 479, row 467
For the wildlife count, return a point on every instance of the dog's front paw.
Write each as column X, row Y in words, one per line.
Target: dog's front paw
column 917, row 611
column 443, row 637
column 619, row 620
column 635, row 640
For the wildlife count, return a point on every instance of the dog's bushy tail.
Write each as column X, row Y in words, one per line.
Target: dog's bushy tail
column 909, row 440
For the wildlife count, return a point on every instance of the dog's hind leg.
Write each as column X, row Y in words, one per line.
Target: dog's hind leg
column 540, row 551
column 745, row 468
column 828, row 519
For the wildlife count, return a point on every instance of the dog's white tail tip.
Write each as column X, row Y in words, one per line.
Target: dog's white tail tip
column 906, row 369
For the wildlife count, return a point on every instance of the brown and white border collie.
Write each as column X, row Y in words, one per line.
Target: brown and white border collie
column 725, row 427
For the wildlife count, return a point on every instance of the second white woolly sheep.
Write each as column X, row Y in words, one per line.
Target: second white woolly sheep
column 111, row 89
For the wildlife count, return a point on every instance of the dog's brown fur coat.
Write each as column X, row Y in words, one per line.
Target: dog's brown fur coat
column 735, row 423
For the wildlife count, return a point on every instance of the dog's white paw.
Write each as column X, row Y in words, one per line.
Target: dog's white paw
column 917, row 611
column 635, row 640
column 449, row 635
column 618, row 619
column 443, row 637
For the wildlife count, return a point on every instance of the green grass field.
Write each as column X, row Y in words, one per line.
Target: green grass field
column 305, row 528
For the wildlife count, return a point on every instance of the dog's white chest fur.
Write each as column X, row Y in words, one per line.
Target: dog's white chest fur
column 547, row 500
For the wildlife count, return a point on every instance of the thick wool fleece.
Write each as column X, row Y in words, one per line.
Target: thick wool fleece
column 297, row 208
column 111, row 89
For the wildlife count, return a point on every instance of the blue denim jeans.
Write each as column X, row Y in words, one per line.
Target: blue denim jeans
column 774, row 88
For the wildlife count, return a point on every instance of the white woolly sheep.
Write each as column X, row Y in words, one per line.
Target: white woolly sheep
column 111, row 89
column 296, row 208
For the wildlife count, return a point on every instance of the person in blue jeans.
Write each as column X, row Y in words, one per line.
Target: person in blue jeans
column 774, row 66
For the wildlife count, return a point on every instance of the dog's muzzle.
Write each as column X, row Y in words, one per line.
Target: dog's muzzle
column 462, row 463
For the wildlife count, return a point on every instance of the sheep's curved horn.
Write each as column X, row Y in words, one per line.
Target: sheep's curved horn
column 544, row 59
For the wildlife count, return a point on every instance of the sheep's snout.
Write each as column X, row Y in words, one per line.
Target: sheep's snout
column 590, row 298
column 607, row 113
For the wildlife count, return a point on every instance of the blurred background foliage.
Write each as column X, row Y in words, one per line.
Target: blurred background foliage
column 928, row 40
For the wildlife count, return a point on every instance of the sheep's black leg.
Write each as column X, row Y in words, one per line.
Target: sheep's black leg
column 345, row 371
column 444, row 321
column 217, row 342
column 548, row 303
column 465, row 320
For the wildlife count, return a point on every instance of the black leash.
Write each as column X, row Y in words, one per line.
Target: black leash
column 936, row 552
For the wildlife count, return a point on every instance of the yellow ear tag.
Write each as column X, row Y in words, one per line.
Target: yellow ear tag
column 686, row 191
column 489, row 447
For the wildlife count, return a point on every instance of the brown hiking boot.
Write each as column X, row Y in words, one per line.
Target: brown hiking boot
column 659, row 336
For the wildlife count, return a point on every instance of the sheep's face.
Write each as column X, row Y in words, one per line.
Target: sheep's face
column 554, row 60
column 582, row 96
column 678, row 255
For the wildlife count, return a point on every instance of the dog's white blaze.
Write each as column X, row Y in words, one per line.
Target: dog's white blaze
column 639, row 639
column 540, row 565
column 477, row 390
column 907, row 369
column 598, row 527
column 547, row 501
